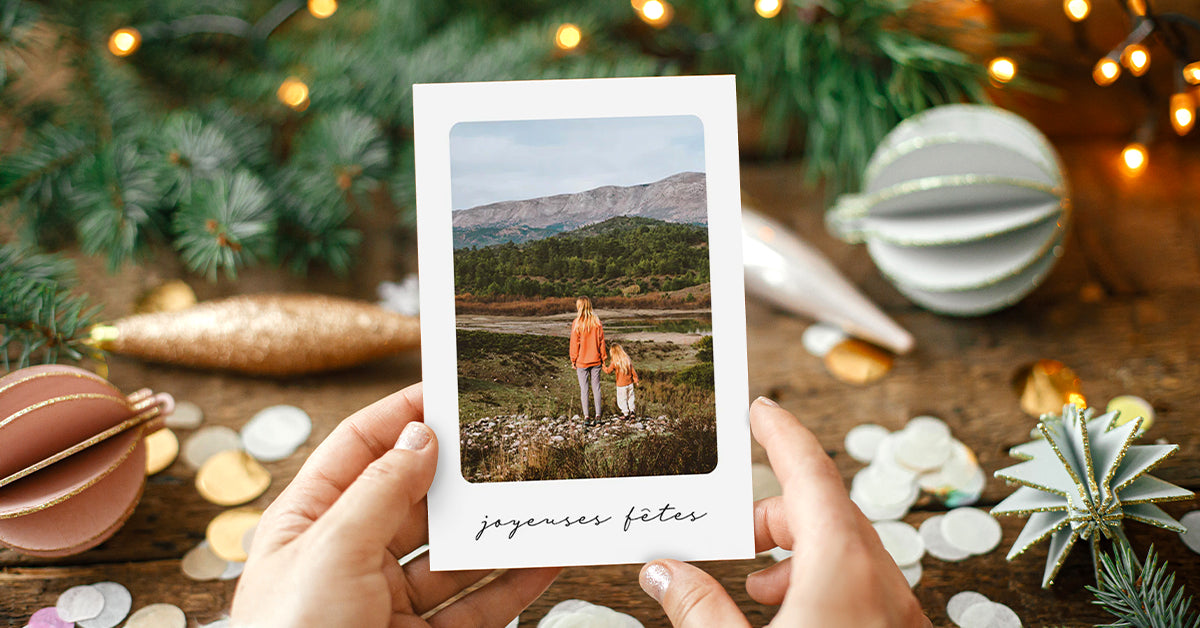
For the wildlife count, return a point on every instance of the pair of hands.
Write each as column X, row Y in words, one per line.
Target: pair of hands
column 326, row 551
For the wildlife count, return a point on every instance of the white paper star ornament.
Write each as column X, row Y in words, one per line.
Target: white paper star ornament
column 1082, row 481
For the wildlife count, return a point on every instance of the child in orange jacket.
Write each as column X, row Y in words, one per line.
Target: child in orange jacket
column 627, row 378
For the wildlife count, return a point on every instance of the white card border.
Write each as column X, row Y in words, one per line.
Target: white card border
column 726, row 531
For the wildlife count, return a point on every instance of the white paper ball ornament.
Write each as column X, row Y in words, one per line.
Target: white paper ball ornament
column 964, row 208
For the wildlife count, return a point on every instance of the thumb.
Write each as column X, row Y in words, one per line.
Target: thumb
column 375, row 505
column 690, row 597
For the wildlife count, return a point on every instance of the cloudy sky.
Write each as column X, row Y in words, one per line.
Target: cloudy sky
column 519, row 159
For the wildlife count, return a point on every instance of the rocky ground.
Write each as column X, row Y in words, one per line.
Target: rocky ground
column 515, row 431
column 516, row 441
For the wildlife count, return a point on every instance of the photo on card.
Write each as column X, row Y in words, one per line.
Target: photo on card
column 582, row 298
column 583, row 324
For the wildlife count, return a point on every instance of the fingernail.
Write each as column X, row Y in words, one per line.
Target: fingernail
column 414, row 437
column 655, row 580
column 766, row 401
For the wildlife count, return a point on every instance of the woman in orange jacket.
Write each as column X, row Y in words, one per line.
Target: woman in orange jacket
column 587, row 352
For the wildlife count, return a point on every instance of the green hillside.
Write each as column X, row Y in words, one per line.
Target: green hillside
column 623, row 254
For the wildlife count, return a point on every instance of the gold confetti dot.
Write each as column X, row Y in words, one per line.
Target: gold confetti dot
column 161, row 449
column 232, row 477
column 172, row 296
column 856, row 362
column 225, row 532
column 1045, row 386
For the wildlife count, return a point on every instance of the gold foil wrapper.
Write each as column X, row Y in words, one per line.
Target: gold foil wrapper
column 267, row 334
column 1046, row 385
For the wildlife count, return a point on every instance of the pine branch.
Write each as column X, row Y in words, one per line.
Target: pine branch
column 118, row 199
column 1141, row 595
column 39, row 318
column 225, row 223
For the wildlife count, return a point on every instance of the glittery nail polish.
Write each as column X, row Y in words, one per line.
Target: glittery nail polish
column 414, row 437
column 655, row 580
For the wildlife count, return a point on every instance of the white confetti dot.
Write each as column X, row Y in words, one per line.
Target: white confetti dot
column 275, row 432
column 972, row 530
column 819, row 338
column 912, row 573
column 961, row 601
column 936, row 544
column 901, row 541
column 989, row 615
column 863, row 441
column 187, row 415
column 117, row 603
column 1191, row 538
column 79, row 603
column 207, row 442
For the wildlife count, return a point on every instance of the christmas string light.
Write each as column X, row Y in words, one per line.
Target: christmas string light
column 1191, row 73
column 1134, row 158
column 1106, row 71
column 1002, row 69
column 293, row 92
column 1077, row 10
column 124, row 41
column 656, row 13
column 768, row 8
column 568, row 36
column 1136, row 57
column 1183, row 112
column 322, row 9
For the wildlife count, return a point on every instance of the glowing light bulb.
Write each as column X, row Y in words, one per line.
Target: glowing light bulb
column 1136, row 57
column 293, row 93
column 1134, row 159
column 1191, row 73
column 1137, row 7
column 655, row 12
column 768, row 8
column 568, row 36
column 1183, row 112
column 1106, row 71
column 1002, row 69
column 1077, row 10
column 322, row 9
column 124, row 41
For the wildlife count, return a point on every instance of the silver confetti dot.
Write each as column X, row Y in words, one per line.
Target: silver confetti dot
column 971, row 530
column 117, row 603
column 961, row 601
column 79, row 603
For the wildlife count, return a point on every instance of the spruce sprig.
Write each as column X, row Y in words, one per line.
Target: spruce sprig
column 1141, row 595
column 40, row 319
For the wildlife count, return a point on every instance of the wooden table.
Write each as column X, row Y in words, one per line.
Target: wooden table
column 1121, row 309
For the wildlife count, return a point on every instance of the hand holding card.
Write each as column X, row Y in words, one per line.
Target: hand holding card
column 325, row 553
column 595, row 222
column 839, row 574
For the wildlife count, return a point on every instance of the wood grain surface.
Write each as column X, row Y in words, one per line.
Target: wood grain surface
column 1121, row 309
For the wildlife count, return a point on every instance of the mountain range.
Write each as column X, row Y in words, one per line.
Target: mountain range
column 680, row 198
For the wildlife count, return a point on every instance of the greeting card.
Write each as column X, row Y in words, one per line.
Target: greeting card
column 582, row 321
